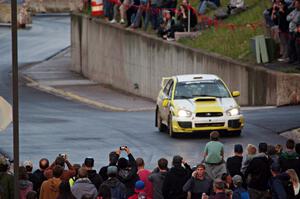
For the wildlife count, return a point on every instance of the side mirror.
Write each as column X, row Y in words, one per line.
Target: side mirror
column 235, row 93
column 165, row 102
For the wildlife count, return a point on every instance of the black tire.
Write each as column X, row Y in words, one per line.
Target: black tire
column 158, row 122
column 170, row 128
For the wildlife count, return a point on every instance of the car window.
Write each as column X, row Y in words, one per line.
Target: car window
column 214, row 88
column 167, row 87
column 170, row 90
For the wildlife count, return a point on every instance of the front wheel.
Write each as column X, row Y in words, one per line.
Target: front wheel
column 170, row 127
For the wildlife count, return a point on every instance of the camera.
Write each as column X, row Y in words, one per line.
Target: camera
column 123, row 147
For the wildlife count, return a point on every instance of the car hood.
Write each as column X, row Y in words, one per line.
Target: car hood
column 205, row 104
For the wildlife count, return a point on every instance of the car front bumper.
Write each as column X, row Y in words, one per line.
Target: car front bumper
column 195, row 124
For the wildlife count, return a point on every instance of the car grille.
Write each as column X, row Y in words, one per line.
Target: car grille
column 217, row 124
column 209, row 114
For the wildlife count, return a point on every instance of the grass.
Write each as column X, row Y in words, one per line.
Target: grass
column 228, row 42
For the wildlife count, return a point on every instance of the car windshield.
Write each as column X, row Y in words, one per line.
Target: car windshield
column 187, row 90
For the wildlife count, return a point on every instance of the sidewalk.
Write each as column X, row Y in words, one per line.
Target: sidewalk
column 53, row 76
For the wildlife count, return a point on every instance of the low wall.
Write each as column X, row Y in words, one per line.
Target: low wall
column 54, row 5
column 124, row 58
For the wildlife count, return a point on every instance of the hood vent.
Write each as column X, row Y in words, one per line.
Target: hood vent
column 205, row 99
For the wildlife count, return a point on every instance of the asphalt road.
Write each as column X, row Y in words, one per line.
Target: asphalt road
column 50, row 125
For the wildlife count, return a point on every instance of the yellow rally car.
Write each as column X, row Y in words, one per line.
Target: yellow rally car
column 195, row 103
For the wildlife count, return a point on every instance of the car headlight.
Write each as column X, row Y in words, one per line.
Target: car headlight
column 184, row 113
column 233, row 112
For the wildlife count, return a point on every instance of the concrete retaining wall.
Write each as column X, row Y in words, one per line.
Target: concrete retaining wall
column 54, row 5
column 123, row 58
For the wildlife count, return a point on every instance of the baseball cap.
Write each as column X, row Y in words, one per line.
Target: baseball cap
column 139, row 185
column 112, row 170
column 27, row 163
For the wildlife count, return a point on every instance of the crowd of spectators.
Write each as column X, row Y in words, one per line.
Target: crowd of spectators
column 283, row 18
column 261, row 172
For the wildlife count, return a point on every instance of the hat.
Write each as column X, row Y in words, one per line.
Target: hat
column 112, row 170
column 177, row 160
column 27, row 163
column 238, row 148
column 139, row 185
column 237, row 179
column 275, row 167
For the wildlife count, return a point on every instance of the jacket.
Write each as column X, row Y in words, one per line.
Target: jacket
column 290, row 160
column 197, row 187
column 50, row 188
column 277, row 188
column 118, row 189
column 84, row 186
column 95, row 178
column 37, row 179
column 7, row 184
column 24, row 186
column 259, row 172
column 174, row 181
column 220, row 195
column 157, row 179
column 143, row 175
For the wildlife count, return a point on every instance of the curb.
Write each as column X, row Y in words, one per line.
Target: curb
column 78, row 98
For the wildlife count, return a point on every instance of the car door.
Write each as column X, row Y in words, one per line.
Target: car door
column 167, row 94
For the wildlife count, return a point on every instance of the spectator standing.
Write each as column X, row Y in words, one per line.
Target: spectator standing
column 94, row 177
column 29, row 167
column 295, row 180
column 127, row 172
column 6, row 180
column 83, row 185
column 24, row 184
column 105, row 193
column 234, row 163
column 157, row 178
column 259, row 173
column 199, row 183
column 251, row 152
column 239, row 191
column 113, row 160
column 139, row 192
column 214, row 156
column 294, row 47
column 61, row 160
column 73, row 179
column 31, row 195
column 277, row 188
column 131, row 11
column 50, row 187
column 65, row 191
column 176, row 179
column 219, row 189
column 117, row 188
column 272, row 154
column 144, row 175
column 184, row 16
column 38, row 175
column 290, row 159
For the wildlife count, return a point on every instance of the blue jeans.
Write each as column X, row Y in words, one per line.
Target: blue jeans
column 203, row 5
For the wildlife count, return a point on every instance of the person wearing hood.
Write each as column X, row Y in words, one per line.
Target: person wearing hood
column 24, row 184
column 290, row 159
column 83, row 185
column 127, row 171
column 94, row 177
column 113, row 160
column 157, row 178
column 199, row 183
column 50, row 187
column 176, row 178
column 117, row 188
column 259, row 172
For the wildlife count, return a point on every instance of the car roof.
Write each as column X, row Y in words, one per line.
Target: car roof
column 196, row 77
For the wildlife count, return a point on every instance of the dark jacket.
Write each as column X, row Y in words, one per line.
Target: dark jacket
column 118, row 189
column 157, row 179
column 197, row 187
column 220, row 195
column 277, row 188
column 290, row 160
column 238, row 192
column 103, row 171
column 280, row 18
column 234, row 165
column 129, row 176
column 95, row 178
column 259, row 171
column 174, row 181
column 37, row 179
column 6, row 183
